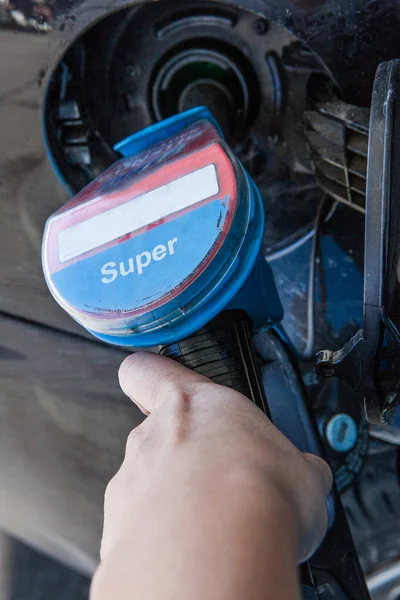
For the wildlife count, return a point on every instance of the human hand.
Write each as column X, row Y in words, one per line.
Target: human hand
column 207, row 483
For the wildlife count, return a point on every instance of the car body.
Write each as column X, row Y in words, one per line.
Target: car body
column 63, row 418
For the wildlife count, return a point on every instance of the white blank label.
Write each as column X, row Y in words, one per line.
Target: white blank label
column 137, row 213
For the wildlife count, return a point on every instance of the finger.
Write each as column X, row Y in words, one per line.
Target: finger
column 150, row 379
column 323, row 469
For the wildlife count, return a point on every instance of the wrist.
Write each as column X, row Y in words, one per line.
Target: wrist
column 239, row 540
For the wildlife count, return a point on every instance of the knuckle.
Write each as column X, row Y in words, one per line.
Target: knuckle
column 320, row 469
column 184, row 391
column 174, row 392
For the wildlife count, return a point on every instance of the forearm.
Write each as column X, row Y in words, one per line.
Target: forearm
column 237, row 550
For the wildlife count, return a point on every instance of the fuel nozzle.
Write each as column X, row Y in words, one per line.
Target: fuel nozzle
column 163, row 241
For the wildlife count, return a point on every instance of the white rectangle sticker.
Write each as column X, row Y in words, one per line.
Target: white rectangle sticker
column 137, row 213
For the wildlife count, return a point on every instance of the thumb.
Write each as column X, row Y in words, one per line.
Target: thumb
column 149, row 380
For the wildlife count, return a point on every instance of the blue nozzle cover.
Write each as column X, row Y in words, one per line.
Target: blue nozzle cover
column 162, row 241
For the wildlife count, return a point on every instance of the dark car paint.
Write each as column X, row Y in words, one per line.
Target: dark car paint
column 63, row 419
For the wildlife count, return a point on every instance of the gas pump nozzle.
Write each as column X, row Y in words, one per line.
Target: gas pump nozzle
column 160, row 244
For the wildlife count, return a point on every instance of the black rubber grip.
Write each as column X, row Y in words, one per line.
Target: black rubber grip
column 223, row 352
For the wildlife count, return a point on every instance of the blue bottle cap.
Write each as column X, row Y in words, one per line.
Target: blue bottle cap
column 342, row 433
